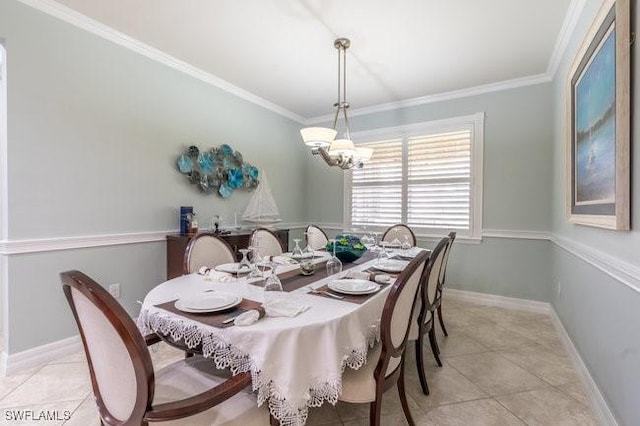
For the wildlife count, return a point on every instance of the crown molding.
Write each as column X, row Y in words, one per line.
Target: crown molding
column 566, row 31
column 441, row 97
column 79, row 20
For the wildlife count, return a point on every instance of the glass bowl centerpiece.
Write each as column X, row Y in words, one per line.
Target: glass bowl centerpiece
column 348, row 248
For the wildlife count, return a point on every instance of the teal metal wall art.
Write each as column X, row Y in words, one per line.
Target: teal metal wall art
column 218, row 170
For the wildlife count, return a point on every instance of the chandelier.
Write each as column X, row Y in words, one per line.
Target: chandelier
column 321, row 140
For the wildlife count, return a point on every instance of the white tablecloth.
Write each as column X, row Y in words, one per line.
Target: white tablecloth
column 297, row 362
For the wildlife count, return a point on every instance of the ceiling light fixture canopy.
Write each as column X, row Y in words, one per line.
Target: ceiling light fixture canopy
column 337, row 152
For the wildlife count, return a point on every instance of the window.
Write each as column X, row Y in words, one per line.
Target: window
column 428, row 176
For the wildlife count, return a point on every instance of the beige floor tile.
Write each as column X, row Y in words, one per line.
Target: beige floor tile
column 75, row 357
column 550, row 367
column 52, row 383
column 484, row 412
column 576, row 391
column 85, row 415
column 390, row 406
column 496, row 337
column 326, row 414
column 545, row 407
column 386, row 420
column 494, row 374
column 9, row 383
column 162, row 355
column 55, row 413
column 457, row 344
column 446, row 386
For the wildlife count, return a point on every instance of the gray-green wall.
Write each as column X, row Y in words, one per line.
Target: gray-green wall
column 93, row 133
column 516, row 188
column 601, row 314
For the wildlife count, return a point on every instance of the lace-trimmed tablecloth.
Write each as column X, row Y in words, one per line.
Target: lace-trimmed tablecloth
column 296, row 363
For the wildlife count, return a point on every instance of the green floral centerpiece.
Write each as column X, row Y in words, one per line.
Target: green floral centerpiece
column 348, row 248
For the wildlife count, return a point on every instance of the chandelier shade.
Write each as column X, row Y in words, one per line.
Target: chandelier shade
column 337, row 152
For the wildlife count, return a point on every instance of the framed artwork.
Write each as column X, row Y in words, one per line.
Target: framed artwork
column 598, row 122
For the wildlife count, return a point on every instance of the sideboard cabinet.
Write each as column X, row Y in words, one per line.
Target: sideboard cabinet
column 177, row 245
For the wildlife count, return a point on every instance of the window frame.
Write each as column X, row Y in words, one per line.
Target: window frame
column 474, row 123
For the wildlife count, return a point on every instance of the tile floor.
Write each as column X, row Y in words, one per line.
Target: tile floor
column 501, row 367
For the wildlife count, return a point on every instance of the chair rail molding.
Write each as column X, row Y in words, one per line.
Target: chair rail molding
column 627, row 273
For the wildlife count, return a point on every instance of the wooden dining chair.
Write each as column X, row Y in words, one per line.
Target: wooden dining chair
column 316, row 237
column 402, row 230
column 423, row 318
column 268, row 242
column 443, row 276
column 206, row 249
column 385, row 362
column 126, row 388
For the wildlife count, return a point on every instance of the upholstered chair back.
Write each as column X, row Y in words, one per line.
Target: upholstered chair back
column 402, row 230
column 316, row 237
column 432, row 280
column 445, row 262
column 268, row 243
column 206, row 249
column 119, row 363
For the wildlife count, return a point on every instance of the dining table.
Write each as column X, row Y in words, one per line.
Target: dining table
column 296, row 362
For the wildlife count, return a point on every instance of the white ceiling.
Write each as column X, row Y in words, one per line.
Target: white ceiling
column 282, row 50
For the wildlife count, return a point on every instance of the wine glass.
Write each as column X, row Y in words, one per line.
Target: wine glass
column 272, row 286
column 244, row 263
column 375, row 234
column 255, row 260
column 406, row 245
column 308, row 251
column 334, row 265
column 297, row 251
column 383, row 256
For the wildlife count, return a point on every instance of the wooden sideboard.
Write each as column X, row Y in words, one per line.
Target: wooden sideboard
column 177, row 244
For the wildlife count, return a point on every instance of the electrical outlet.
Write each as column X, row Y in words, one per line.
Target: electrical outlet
column 114, row 290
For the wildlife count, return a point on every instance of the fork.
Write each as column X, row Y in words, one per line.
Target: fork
column 316, row 291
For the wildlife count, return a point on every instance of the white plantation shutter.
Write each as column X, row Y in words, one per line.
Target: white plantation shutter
column 376, row 189
column 439, row 173
column 427, row 175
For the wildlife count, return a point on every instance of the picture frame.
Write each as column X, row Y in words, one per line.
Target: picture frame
column 598, row 122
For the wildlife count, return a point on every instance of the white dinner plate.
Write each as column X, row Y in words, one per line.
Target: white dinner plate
column 391, row 265
column 353, row 286
column 232, row 268
column 208, row 303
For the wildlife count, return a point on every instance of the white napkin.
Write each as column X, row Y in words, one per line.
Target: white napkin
column 357, row 275
column 395, row 243
column 284, row 307
column 283, row 260
column 213, row 275
column 247, row 318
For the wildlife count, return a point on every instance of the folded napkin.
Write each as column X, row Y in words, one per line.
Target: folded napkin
column 361, row 275
column 284, row 307
column 283, row 260
column 395, row 243
column 213, row 275
column 249, row 317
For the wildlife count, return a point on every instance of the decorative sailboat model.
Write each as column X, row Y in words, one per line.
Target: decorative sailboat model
column 262, row 208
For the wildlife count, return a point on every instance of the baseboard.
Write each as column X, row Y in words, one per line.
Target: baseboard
column 39, row 356
column 500, row 301
column 598, row 403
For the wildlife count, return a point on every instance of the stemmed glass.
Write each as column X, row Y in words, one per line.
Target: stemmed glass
column 244, row 263
column 297, row 251
column 406, row 245
column 308, row 251
column 383, row 256
column 334, row 265
column 272, row 285
column 255, row 260
column 375, row 234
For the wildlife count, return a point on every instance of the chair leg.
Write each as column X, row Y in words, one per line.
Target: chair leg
column 375, row 409
column 434, row 346
column 188, row 354
column 272, row 420
column 444, row 329
column 420, row 363
column 403, row 397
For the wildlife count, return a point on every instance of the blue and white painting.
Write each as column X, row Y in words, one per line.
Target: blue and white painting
column 595, row 126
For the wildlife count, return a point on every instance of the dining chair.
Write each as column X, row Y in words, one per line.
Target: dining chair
column 443, row 276
column 316, row 237
column 423, row 315
column 128, row 391
column 268, row 243
column 206, row 249
column 402, row 230
column 385, row 362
